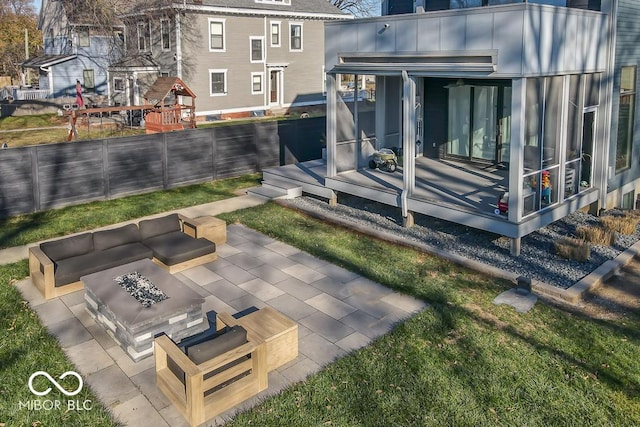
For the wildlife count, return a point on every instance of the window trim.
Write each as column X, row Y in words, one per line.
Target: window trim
column 251, row 40
column 165, row 23
column 222, row 71
column 120, row 79
column 291, row 25
column 224, row 35
column 279, row 25
column 261, row 75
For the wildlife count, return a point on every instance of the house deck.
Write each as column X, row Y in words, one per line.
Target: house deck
column 458, row 192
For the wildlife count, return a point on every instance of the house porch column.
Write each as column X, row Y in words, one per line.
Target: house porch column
column 516, row 156
column 408, row 145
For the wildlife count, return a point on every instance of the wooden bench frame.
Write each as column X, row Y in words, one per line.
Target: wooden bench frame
column 41, row 267
column 189, row 398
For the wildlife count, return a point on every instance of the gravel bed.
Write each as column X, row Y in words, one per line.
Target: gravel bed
column 537, row 258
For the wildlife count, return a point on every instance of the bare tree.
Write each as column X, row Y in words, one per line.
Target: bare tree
column 359, row 8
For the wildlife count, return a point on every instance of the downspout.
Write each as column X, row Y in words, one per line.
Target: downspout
column 178, row 46
column 267, row 39
column 408, row 144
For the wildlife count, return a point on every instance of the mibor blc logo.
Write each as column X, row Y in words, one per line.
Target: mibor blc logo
column 55, row 383
column 47, row 405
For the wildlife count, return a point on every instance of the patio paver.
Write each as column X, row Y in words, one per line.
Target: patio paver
column 337, row 311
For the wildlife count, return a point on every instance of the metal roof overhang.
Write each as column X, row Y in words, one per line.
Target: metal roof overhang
column 418, row 63
column 425, row 70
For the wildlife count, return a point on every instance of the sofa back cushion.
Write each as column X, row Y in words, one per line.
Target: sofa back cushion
column 68, row 247
column 155, row 227
column 232, row 338
column 117, row 237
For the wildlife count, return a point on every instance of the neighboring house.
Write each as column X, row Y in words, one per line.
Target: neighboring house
column 76, row 47
column 485, row 97
column 238, row 56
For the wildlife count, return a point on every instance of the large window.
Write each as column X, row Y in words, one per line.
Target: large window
column 144, row 37
column 218, row 80
column 257, row 54
column 625, row 118
column 295, row 42
column 216, row 35
column 275, row 34
column 165, row 34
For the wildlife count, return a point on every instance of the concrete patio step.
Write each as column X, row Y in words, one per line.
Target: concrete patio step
column 274, row 189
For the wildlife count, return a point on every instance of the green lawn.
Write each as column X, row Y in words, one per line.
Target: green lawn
column 20, row 230
column 462, row 361
column 25, row 345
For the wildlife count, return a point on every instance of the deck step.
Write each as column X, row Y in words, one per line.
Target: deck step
column 291, row 190
column 269, row 193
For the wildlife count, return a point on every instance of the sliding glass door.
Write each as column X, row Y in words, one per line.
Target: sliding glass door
column 479, row 121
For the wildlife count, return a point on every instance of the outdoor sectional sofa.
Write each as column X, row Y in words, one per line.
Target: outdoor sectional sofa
column 56, row 266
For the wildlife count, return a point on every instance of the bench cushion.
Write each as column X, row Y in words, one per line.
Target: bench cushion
column 118, row 236
column 176, row 247
column 68, row 247
column 158, row 226
column 71, row 269
column 234, row 337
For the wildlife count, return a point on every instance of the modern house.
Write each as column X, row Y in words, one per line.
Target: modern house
column 240, row 57
column 533, row 98
column 78, row 46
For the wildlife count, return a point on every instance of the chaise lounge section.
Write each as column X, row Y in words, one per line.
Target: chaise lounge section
column 56, row 266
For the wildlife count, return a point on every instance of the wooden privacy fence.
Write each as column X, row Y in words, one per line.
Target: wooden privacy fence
column 42, row 177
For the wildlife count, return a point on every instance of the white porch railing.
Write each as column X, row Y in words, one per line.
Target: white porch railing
column 30, row 94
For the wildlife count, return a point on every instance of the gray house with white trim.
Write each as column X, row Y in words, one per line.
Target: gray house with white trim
column 239, row 57
column 484, row 97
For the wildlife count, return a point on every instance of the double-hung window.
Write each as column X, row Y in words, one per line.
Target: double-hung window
column 216, row 35
column 218, row 82
column 257, row 51
column 144, row 37
column 295, row 41
column 275, row 34
column 256, row 83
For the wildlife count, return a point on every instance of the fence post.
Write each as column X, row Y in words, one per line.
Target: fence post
column 105, row 170
column 165, row 162
column 35, row 178
column 214, row 154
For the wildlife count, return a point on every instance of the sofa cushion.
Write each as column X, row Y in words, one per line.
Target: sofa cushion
column 155, row 227
column 71, row 269
column 234, row 337
column 176, row 247
column 68, row 247
column 118, row 236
